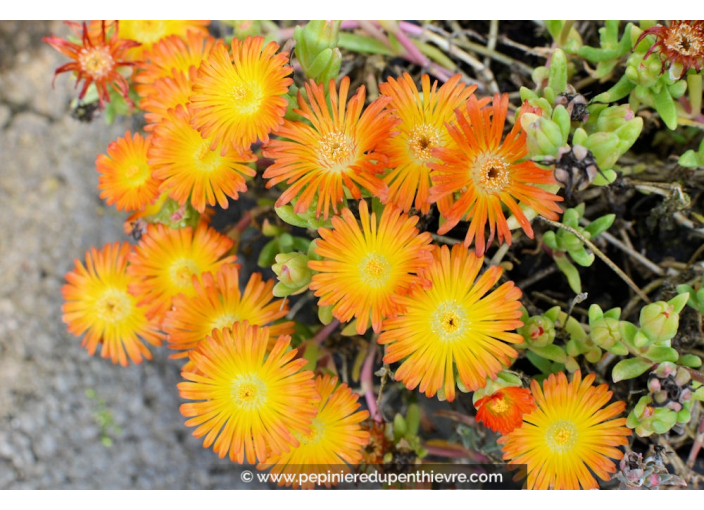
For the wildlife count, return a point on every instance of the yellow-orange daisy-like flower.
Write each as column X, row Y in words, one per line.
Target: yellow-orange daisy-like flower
column 126, row 178
column 98, row 304
column 218, row 303
column 489, row 173
column 172, row 55
column 336, row 438
column 240, row 98
column 454, row 326
column 253, row 403
column 424, row 115
column 166, row 260
column 169, row 92
column 148, row 32
column 680, row 46
column 190, row 169
column 365, row 270
column 337, row 151
column 568, row 434
column 503, row 410
column 96, row 60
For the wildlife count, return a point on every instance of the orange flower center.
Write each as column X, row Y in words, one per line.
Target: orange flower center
column 561, row 436
column 96, row 61
column 449, row 321
column 246, row 98
column 491, row 173
column 684, row 40
column 375, row 270
column 113, row 305
column 422, row 140
column 249, row 392
column 334, row 150
column 498, row 406
column 181, row 272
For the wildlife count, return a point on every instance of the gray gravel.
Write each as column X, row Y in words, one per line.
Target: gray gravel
column 59, row 406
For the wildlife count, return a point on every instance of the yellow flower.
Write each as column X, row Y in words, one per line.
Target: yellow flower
column 237, row 99
column 190, row 170
column 147, row 32
column 454, row 325
column 218, row 303
column 98, row 304
column 165, row 261
column 335, row 440
column 424, row 116
column 568, row 434
column 248, row 400
column 126, row 178
column 336, row 151
column 364, row 271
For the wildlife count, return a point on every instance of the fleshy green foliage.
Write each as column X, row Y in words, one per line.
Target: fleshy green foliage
column 565, row 243
column 316, row 49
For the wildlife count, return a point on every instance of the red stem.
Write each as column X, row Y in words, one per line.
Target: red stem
column 367, row 379
column 321, row 335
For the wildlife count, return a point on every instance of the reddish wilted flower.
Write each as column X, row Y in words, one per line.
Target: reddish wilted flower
column 503, row 410
column 96, row 60
column 681, row 46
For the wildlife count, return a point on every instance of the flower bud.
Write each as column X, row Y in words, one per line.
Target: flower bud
column 539, row 331
column 654, row 385
column 293, row 273
column 605, row 332
column 659, row 321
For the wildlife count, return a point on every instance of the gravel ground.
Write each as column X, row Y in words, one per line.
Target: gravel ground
column 58, row 406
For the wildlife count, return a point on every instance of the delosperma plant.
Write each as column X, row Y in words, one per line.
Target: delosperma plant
column 417, row 222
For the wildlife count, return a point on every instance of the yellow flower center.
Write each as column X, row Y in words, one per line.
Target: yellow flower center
column 491, row 173
column 224, row 321
column 249, row 392
column 145, row 31
column 181, row 272
column 422, row 139
column 561, row 436
column 449, row 321
column 113, row 305
column 375, row 270
column 684, row 40
column 334, row 150
column 317, row 429
column 206, row 160
column 498, row 406
column 246, row 98
column 96, row 62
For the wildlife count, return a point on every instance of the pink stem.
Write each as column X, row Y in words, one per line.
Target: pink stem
column 450, row 453
column 697, row 445
column 367, row 379
column 321, row 335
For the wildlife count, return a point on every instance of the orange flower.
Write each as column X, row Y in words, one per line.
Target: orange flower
column 452, row 326
column 126, row 178
column 148, row 32
column 338, row 149
column 168, row 93
column 97, row 303
column 96, row 60
column 681, row 46
column 240, row 98
column 172, row 55
column 190, row 169
column 568, row 434
column 335, row 440
column 253, row 403
column 218, row 303
column 503, row 410
column 364, row 271
column 424, row 116
column 489, row 173
column 165, row 261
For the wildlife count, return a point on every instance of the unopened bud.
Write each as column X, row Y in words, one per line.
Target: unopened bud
column 659, row 321
column 293, row 273
column 539, row 331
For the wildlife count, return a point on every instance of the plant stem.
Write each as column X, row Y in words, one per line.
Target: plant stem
column 325, row 332
column 367, row 380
